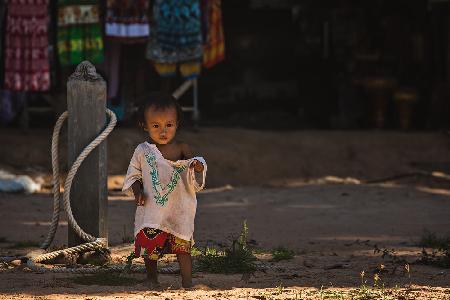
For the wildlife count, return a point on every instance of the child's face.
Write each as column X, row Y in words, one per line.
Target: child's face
column 161, row 124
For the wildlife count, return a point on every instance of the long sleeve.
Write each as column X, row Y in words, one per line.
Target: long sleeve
column 198, row 187
column 134, row 171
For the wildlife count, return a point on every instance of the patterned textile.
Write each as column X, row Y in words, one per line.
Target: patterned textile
column 161, row 193
column 2, row 25
column 79, row 32
column 176, row 36
column 26, row 46
column 154, row 243
column 214, row 47
column 127, row 19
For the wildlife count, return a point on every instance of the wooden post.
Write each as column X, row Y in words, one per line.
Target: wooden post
column 86, row 105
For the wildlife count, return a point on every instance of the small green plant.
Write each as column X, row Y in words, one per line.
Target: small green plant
column 280, row 289
column 236, row 259
column 325, row 294
column 195, row 251
column 388, row 254
column 431, row 240
column 440, row 254
column 129, row 261
column 408, row 271
column 281, row 253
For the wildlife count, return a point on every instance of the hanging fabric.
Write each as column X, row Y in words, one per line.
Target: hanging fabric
column 176, row 38
column 214, row 47
column 127, row 20
column 79, row 32
column 26, row 46
column 2, row 34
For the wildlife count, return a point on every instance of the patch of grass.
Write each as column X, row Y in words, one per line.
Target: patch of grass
column 195, row 252
column 432, row 240
column 281, row 253
column 326, row 294
column 25, row 244
column 389, row 254
column 258, row 250
column 107, row 279
column 440, row 255
column 236, row 259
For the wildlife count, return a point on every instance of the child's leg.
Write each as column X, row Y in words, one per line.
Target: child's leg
column 152, row 270
column 185, row 261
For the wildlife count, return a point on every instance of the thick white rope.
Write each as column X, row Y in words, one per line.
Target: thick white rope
column 56, row 191
column 35, row 263
column 93, row 243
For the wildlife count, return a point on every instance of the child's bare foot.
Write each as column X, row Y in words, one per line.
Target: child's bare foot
column 186, row 284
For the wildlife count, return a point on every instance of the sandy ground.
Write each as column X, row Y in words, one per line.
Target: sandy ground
column 243, row 157
column 287, row 201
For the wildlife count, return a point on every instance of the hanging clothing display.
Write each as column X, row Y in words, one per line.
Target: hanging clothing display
column 214, row 47
column 178, row 24
column 127, row 20
column 2, row 26
column 176, row 37
column 79, row 32
column 26, row 46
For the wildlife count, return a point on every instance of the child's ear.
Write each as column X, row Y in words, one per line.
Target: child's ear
column 143, row 126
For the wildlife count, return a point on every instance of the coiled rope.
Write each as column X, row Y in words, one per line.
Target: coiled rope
column 92, row 243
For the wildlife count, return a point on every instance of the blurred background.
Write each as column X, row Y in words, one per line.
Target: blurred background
column 325, row 124
column 281, row 64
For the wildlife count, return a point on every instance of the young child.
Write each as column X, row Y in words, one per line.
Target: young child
column 162, row 177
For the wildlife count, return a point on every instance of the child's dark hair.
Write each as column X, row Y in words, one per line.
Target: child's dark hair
column 161, row 101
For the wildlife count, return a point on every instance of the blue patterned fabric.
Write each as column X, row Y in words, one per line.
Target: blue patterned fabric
column 177, row 34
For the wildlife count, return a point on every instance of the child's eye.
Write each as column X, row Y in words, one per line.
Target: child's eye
column 169, row 125
column 155, row 126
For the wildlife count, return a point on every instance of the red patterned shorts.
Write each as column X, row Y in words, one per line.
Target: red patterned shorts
column 154, row 243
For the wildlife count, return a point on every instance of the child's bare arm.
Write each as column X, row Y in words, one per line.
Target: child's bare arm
column 187, row 153
column 138, row 193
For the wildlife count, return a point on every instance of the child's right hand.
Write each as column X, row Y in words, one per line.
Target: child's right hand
column 140, row 199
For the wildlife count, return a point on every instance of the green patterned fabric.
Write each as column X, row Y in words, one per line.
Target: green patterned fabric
column 79, row 32
column 162, row 193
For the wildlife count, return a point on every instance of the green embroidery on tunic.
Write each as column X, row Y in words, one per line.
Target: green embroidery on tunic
column 156, row 184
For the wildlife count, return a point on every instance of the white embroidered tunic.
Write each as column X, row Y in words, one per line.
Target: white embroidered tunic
column 169, row 191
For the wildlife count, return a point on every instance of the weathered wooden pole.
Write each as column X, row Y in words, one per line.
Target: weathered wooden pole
column 86, row 105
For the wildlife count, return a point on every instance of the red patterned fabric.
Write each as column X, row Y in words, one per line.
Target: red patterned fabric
column 214, row 48
column 155, row 243
column 26, row 46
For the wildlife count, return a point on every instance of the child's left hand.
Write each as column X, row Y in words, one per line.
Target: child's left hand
column 197, row 166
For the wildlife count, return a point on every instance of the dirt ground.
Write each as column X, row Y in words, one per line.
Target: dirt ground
column 304, row 191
